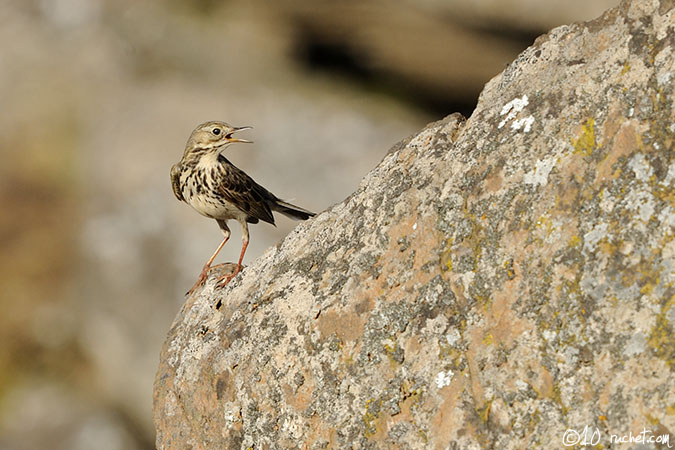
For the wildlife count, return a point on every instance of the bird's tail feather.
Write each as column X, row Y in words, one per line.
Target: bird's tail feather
column 292, row 211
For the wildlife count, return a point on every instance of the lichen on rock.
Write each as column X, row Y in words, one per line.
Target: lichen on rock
column 492, row 282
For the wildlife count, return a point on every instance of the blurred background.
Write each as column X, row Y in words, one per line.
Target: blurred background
column 97, row 99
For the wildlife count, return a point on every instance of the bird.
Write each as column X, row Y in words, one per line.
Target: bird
column 214, row 187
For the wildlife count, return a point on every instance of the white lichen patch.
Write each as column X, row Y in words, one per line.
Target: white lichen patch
column 549, row 335
column 608, row 201
column 538, row 176
column 639, row 165
column 591, row 239
column 512, row 108
column 453, row 337
column 524, row 123
column 444, row 378
column 466, row 279
column 636, row 345
column 232, row 414
column 436, row 325
column 667, row 218
column 569, row 358
column 641, row 203
column 290, row 427
column 522, row 385
column 664, row 78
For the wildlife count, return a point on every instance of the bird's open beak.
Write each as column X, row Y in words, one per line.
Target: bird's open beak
column 236, row 130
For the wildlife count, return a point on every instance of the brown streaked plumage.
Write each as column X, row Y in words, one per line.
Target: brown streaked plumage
column 215, row 188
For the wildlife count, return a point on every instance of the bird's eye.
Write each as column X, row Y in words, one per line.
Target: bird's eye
column 216, row 131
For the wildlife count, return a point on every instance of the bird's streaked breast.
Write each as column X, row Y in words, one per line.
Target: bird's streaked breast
column 199, row 188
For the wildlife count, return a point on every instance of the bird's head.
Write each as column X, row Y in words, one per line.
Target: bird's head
column 214, row 135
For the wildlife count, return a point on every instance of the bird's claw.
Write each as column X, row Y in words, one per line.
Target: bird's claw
column 225, row 279
column 200, row 281
column 222, row 281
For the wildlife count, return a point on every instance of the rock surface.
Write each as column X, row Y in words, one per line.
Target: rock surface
column 492, row 282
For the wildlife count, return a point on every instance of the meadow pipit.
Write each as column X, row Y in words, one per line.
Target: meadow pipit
column 215, row 188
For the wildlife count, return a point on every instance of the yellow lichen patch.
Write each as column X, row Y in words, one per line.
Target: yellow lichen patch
column 509, row 269
column 556, row 396
column 454, row 356
column 646, row 274
column 446, row 256
column 625, row 68
column 545, row 223
column 607, row 247
column 661, row 339
column 408, row 392
column 585, row 143
column 652, row 420
column 390, row 350
column 370, row 417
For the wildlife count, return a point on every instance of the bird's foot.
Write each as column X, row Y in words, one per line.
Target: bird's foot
column 223, row 280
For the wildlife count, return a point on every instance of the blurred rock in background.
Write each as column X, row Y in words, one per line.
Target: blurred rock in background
column 98, row 98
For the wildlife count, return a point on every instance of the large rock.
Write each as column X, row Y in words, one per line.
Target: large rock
column 492, row 282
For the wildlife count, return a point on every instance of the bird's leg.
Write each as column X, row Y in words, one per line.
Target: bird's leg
column 222, row 281
column 205, row 270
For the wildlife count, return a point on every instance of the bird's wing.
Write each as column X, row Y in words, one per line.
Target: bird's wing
column 175, row 181
column 247, row 195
